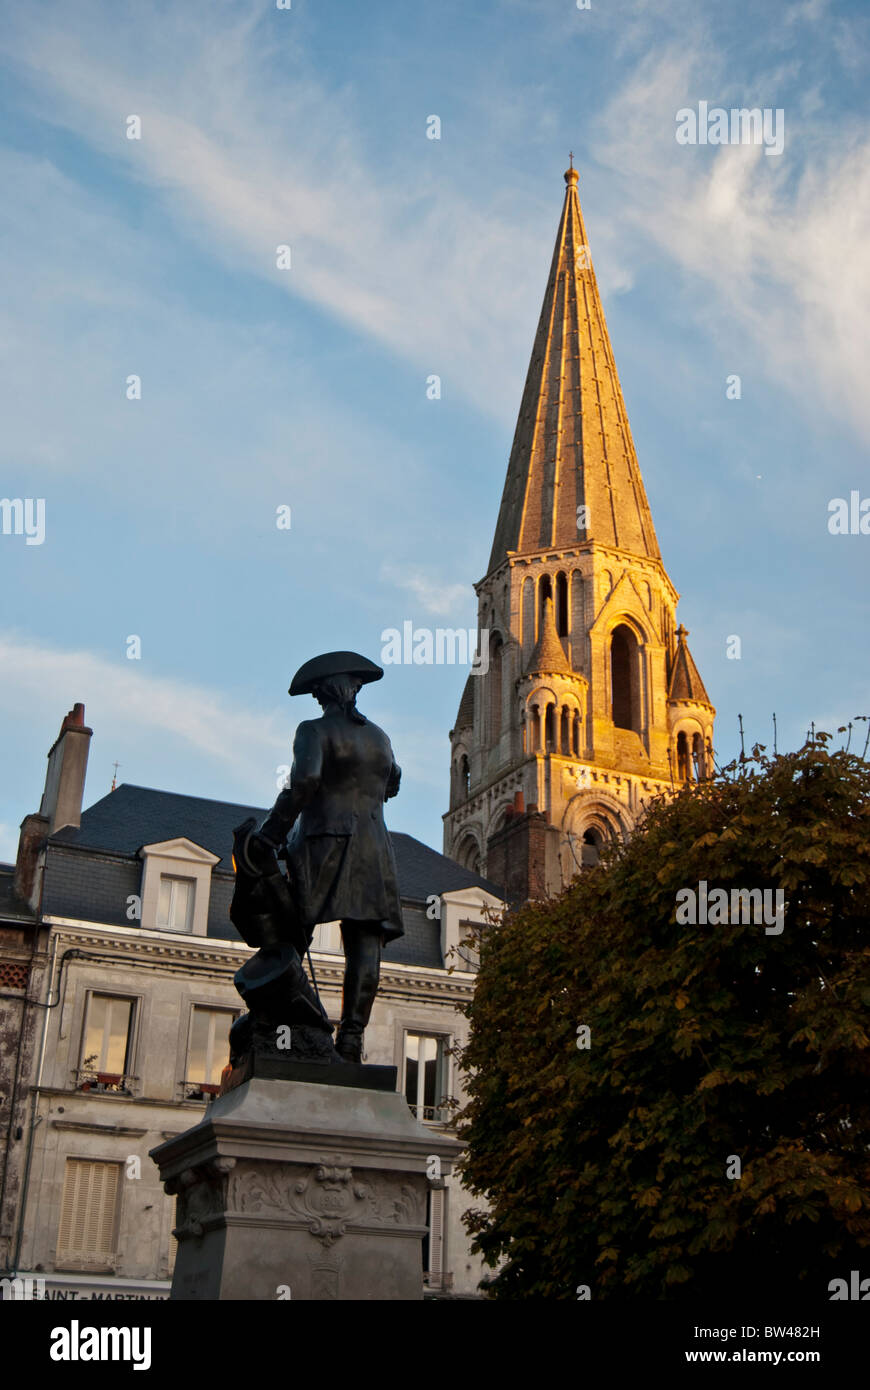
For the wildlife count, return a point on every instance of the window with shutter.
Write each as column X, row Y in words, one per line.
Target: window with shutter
column 88, row 1214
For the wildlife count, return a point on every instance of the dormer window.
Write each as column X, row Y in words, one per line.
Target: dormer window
column 176, row 885
column 175, row 901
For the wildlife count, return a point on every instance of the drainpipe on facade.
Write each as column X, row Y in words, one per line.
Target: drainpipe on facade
column 34, row 1118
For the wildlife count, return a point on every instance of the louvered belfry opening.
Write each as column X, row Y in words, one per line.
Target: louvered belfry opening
column 682, row 757
column 545, row 591
column 495, row 687
column 623, row 678
column 562, row 604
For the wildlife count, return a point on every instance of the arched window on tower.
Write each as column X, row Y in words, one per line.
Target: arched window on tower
column 575, row 735
column 468, row 854
column 682, row 757
column 562, row 604
column 624, row 679
column 495, row 688
column 545, row 591
column 550, row 729
column 534, row 730
column 464, row 776
column 698, row 765
column 565, row 732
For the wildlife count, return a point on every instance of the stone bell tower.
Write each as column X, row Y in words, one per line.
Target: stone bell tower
column 591, row 703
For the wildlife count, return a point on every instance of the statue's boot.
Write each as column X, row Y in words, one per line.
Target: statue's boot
column 362, row 951
column 349, row 1042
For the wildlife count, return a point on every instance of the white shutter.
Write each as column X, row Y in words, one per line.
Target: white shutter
column 173, row 1243
column 164, row 902
column 182, row 904
column 88, row 1212
column 437, row 1232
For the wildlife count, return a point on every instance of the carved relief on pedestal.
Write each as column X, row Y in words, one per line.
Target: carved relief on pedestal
column 202, row 1194
column 326, row 1197
column 326, row 1281
column 390, row 1201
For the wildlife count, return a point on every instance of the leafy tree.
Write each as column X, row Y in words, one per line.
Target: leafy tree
column 608, row 1166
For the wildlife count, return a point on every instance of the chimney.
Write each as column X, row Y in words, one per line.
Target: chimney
column 61, row 803
column 29, row 860
column 65, row 777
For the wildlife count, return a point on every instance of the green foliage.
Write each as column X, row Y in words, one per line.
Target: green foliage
column 607, row 1166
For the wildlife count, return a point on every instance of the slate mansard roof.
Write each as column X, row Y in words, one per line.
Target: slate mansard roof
column 116, row 827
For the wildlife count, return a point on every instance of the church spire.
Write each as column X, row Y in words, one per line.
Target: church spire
column 572, row 446
column 591, row 703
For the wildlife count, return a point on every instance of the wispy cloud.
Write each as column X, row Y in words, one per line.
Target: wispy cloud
column 125, row 705
column 422, row 267
column 413, row 264
column 781, row 244
column 431, row 594
column 186, row 737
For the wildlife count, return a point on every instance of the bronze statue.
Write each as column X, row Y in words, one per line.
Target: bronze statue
column 328, row 826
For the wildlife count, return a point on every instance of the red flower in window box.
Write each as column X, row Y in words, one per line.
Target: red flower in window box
column 107, row 1078
column 208, row 1089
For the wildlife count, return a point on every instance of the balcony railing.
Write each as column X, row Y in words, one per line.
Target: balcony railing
column 429, row 1114
column 117, row 1083
column 199, row 1090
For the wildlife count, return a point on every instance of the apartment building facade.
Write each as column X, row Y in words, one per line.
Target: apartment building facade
column 117, row 958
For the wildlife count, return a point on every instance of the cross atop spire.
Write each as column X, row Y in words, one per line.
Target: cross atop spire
column 572, row 446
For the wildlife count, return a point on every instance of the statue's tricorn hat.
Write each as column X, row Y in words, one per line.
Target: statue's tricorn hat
column 333, row 664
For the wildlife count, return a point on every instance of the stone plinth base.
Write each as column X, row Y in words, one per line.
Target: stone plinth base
column 301, row 1190
column 358, row 1074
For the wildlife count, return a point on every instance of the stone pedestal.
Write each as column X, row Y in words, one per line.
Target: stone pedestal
column 303, row 1189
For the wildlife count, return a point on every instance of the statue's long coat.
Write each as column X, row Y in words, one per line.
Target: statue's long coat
column 339, row 855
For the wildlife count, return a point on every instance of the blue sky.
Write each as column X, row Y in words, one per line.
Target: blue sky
column 307, row 387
